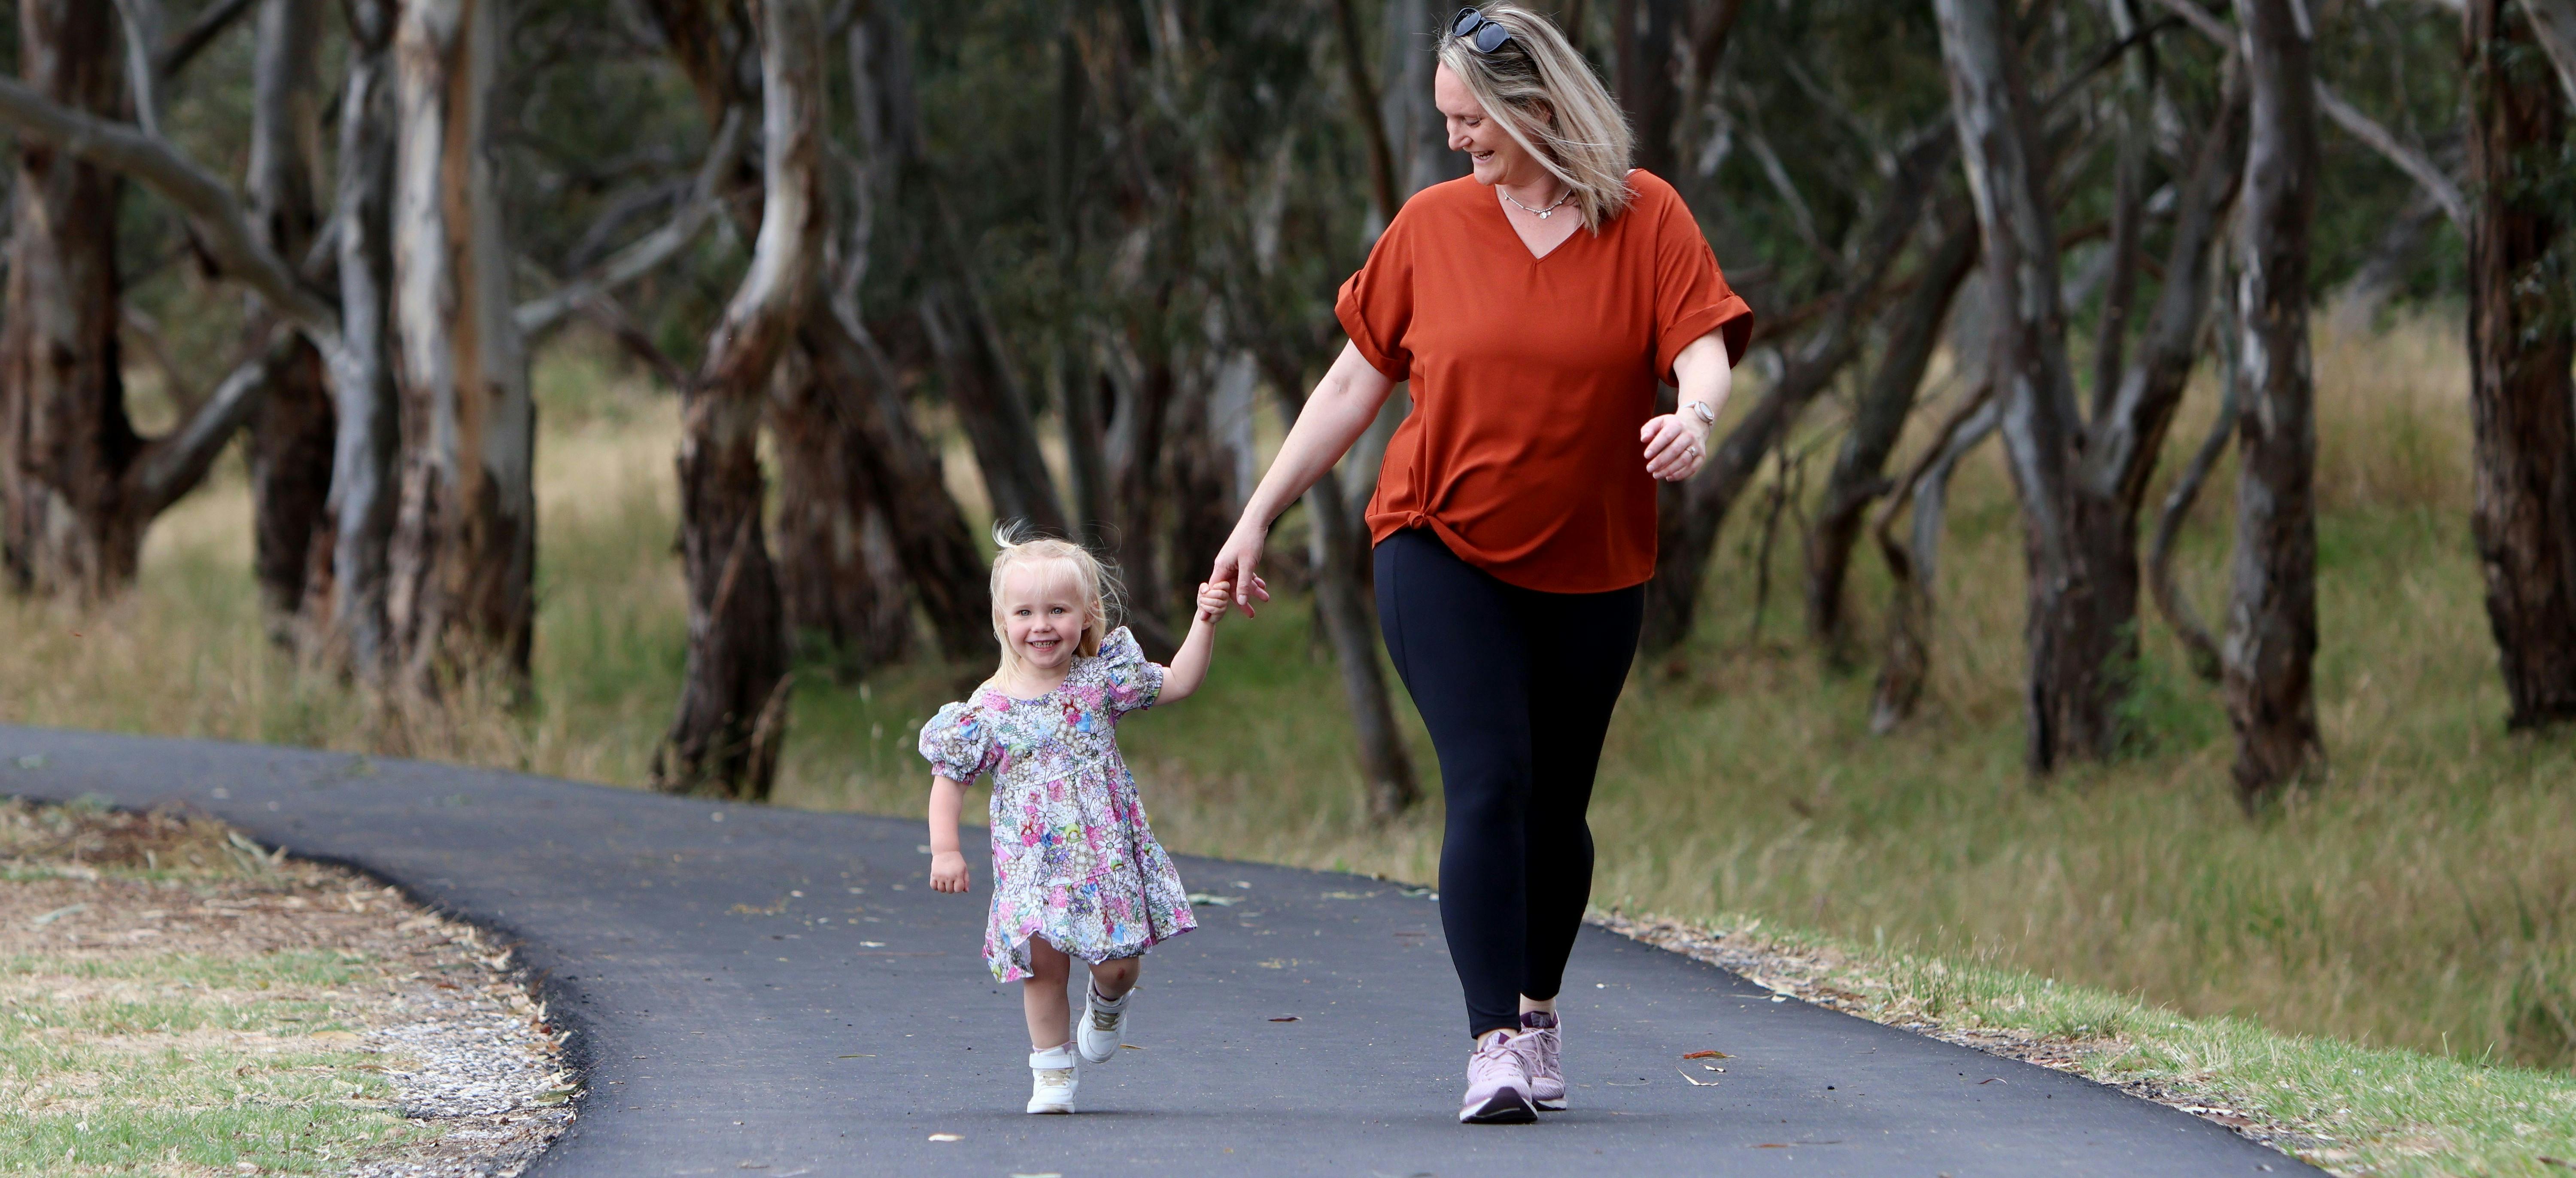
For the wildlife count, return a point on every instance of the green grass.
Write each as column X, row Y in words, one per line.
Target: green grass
column 178, row 1063
column 2412, row 915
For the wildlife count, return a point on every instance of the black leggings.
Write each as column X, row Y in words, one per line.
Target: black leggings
column 1516, row 687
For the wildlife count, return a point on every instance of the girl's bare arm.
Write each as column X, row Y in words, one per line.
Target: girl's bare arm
column 1190, row 666
column 947, row 863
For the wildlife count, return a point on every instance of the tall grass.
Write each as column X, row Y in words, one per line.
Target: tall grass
column 2423, row 895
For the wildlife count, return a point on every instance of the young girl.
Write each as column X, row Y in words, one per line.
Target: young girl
column 1076, row 871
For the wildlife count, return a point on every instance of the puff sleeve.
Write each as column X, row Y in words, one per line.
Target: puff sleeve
column 1128, row 681
column 959, row 744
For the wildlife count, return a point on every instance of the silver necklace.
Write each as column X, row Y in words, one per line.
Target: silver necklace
column 1541, row 214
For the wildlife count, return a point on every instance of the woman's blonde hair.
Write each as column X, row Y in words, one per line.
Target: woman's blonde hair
column 1015, row 545
column 1548, row 100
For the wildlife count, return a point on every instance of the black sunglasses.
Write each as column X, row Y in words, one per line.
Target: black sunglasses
column 1485, row 35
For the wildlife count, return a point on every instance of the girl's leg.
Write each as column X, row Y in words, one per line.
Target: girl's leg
column 1113, row 978
column 1581, row 645
column 1459, row 649
column 1042, row 996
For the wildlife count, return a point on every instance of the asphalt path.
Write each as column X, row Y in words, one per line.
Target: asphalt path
column 754, row 991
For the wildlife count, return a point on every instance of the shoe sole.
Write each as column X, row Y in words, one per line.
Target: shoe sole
column 1550, row 1106
column 1503, row 1108
column 1051, row 1110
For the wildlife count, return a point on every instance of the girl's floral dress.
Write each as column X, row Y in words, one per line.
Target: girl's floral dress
column 1073, row 859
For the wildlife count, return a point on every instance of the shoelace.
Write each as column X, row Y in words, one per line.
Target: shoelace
column 1105, row 1020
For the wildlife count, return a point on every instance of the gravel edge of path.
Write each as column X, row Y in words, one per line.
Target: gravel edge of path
column 1809, row 973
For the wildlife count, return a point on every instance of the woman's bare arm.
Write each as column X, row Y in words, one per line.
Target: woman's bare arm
column 1340, row 409
column 1677, row 442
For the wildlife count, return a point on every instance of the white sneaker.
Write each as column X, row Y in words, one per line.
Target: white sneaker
column 1052, row 1080
column 1102, row 1027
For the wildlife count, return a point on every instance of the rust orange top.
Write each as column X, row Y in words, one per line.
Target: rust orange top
column 1532, row 376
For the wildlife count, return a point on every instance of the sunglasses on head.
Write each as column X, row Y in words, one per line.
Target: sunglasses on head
column 1485, row 35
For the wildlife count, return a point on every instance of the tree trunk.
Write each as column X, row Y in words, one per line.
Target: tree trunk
column 731, row 718
column 942, row 563
column 291, row 438
column 838, row 572
column 1349, row 620
column 2079, row 604
column 1645, row 31
column 1204, row 455
column 2520, row 396
column 1859, row 469
column 69, row 529
column 2272, row 604
column 464, row 546
column 366, row 405
column 1689, row 514
column 974, row 368
column 1415, row 130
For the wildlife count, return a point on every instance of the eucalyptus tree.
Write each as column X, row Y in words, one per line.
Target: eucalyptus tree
column 733, row 693
column 2522, row 403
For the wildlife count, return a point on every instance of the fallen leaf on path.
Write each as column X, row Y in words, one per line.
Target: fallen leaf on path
column 946, row 1137
column 1285, row 1018
column 1695, row 1081
column 1994, row 1080
column 1203, row 899
column 1708, row 1055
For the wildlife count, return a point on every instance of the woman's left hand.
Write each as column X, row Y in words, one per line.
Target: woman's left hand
column 1676, row 446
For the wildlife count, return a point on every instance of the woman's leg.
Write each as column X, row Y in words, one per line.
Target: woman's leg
column 1458, row 647
column 1580, row 648
column 1042, row 997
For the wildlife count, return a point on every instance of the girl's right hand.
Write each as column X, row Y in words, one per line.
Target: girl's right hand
column 948, row 872
column 1235, row 563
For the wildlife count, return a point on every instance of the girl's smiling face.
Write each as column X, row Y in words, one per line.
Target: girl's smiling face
column 1042, row 614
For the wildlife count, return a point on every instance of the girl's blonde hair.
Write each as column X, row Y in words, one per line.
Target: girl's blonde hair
column 1548, row 100
column 1016, row 545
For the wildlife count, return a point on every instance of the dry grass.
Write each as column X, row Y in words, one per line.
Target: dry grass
column 2422, row 897
column 175, row 1000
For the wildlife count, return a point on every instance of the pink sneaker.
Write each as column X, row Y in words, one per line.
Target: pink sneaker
column 1537, row 1046
column 1497, row 1085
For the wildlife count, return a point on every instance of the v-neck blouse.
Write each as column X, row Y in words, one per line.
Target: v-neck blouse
column 1532, row 376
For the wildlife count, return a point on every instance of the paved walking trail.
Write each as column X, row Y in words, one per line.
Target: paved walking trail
column 772, row 993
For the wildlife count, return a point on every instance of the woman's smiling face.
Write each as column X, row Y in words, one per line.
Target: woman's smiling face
column 1497, row 158
column 1042, row 613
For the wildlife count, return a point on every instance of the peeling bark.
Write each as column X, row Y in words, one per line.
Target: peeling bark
column 726, row 735
column 464, row 545
column 351, row 623
column 2270, row 649
column 2078, row 602
column 2522, row 402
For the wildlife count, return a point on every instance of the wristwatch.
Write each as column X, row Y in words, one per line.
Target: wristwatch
column 1700, row 410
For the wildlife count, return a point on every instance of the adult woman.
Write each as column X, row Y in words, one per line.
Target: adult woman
column 1533, row 311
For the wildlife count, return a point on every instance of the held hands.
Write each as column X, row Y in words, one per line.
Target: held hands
column 1676, row 446
column 1214, row 598
column 948, row 872
column 1234, row 565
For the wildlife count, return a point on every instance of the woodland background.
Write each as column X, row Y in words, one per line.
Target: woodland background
column 621, row 388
